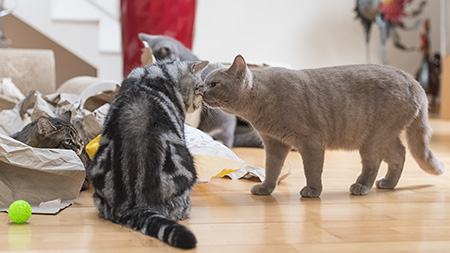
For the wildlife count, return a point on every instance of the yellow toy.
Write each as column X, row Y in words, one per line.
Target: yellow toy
column 92, row 146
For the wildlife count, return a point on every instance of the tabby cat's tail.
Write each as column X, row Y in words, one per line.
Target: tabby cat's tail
column 156, row 225
column 418, row 134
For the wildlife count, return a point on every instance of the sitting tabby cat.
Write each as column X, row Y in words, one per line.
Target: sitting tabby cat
column 363, row 107
column 220, row 125
column 143, row 172
column 55, row 133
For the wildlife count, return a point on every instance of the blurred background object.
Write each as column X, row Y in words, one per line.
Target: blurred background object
column 5, row 9
column 174, row 18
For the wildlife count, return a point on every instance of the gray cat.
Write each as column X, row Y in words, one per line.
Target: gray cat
column 220, row 125
column 362, row 107
column 56, row 133
column 143, row 172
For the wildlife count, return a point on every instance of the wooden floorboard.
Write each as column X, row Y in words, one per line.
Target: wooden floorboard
column 225, row 217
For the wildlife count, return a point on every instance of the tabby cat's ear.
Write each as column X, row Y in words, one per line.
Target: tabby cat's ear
column 238, row 68
column 66, row 116
column 45, row 126
column 198, row 67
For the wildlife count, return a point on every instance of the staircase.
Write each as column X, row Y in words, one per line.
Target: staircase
column 89, row 30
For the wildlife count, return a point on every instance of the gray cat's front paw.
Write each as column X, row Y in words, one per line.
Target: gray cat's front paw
column 359, row 189
column 382, row 183
column 309, row 192
column 260, row 189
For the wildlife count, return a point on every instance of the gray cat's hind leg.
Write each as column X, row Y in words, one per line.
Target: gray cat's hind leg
column 395, row 158
column 313, row 158
column 276, row 152
column 370, row 165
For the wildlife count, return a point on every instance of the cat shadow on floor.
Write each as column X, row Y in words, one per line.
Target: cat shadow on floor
column 407, row 188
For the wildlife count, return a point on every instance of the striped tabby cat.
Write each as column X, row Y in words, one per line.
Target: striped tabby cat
column 51, row 133
column 143, row 172
column 56, row 133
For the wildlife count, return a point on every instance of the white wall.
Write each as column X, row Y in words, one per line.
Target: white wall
column 292, row 33
column 297, row 33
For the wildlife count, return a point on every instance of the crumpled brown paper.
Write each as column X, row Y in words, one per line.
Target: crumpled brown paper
column 38, row 175
column 49, row 179
column 9, row 94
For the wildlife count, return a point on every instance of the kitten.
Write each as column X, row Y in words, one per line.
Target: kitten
column 143, row 172
column 363, row 107
column 220, row 125
column 56, row 133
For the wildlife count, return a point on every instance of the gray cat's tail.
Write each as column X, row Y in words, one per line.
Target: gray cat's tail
column 156, row 225
column 418, row 135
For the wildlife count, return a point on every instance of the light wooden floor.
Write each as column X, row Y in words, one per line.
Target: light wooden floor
column 225, row 217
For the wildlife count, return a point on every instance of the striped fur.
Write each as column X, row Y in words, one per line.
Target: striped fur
column 51, row 133
column 143, row 171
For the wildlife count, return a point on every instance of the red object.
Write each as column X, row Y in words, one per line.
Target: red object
column 394, row 10
column 174, row 18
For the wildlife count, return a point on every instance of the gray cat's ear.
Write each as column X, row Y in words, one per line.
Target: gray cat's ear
column 163, row 52
column 198, row 67
column 67, row 116
column 144, row 36
column 238, row 68
column 44, row 126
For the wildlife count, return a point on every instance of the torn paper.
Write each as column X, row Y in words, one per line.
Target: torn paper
column 38, row 175
column 10, row 91
column 213, row 159
column 49, row 179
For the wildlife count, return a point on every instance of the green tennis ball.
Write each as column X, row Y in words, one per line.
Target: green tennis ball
column 19, row 211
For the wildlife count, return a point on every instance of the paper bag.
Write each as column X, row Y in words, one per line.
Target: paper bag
column 49, row 179
column 38, row 175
